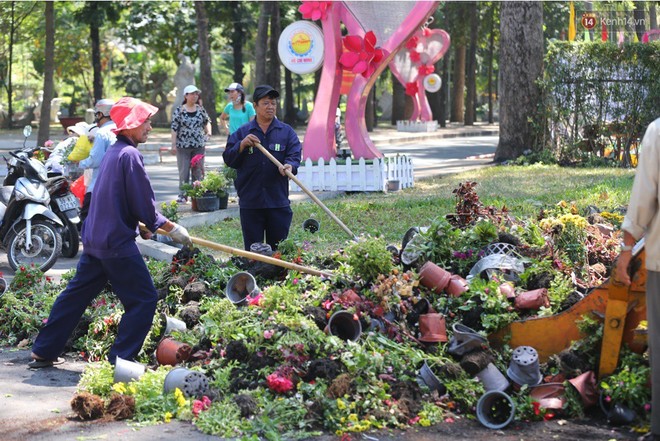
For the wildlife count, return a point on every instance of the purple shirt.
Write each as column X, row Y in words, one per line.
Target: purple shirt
column 122, row 197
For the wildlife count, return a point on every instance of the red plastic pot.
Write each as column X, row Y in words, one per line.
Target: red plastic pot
column 586, row 387
column 434, row 277
column 533, row 299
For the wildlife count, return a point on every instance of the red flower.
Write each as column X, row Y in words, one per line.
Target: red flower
column 278, row 383
column 256, row 300
column 412, row 43
column 362, row 56
column 314, row 10
column 426, row 69
column 537, row 407
column 548, row 416
column 201, row 405
column 411, row 89
column 415, row 57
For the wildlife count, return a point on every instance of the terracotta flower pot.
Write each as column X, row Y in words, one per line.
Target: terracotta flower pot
column 432, row 328
column 549, row 395
column 532, row 299
column 172, row 352
column 457, row 286
column 350, row 297
column 587, row 387
column 508, row 290
column 434, row 277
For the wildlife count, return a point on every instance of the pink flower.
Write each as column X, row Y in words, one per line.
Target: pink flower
column 362, row 56
column 48, row 143
column 201, row 405
column 411, row 89
column 647, row 407
column 295, row 281
column 314, row 10
column 426, row 69
column 327, row 304
column 415, row 57
column 412, row 421
column 278, row 383
column 196, row 160
column 268, row 334
column 256, row 300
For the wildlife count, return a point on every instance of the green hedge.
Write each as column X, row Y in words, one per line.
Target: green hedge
column 599, row 98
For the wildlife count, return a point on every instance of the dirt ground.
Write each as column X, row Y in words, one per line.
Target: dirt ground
column 34, row 405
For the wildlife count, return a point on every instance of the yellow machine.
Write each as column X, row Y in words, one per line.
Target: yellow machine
column 623, row 307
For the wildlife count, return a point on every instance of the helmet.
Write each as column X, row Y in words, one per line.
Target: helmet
column 103, row 107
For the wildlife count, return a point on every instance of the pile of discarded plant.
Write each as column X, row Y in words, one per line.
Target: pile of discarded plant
column 396, row 337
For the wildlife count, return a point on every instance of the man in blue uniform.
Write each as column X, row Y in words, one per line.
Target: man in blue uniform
column 263, row 190
column 122, row 198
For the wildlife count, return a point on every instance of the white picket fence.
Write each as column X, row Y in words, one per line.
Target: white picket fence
column 360, row 175
column 416, row 126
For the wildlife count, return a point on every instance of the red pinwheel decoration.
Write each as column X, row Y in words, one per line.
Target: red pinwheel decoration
column 426, row 69
column 361, row 56
column 314, row 10
column 411, row 89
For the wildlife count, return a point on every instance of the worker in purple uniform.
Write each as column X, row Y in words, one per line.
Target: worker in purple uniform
column 122, row 198
column 263, row 189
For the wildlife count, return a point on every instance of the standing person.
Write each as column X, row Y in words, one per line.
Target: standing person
column 122, row 197
column 643, row 219
column 263, row 190
column 237, row 112
column 191, row 127
column 103, row 139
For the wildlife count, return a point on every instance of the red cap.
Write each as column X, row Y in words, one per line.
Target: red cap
column 129, row 113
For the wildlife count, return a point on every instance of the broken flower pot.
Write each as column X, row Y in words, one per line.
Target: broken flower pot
column 456, row 286
column 464, row 340
column 549, row 395
column 433, row 277
column 532, row 299
column 587, row 387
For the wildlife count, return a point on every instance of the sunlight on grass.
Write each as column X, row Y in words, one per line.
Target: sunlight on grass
column 523, row 190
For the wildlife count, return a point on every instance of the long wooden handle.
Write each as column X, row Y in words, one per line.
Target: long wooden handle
column 306, row 190
column 255, row 256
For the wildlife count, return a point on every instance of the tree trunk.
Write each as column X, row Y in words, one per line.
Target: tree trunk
column 398, row 100
column 457, row 98
column 49, row 68
column 237, row 39
column 10, row 87
column 261, row 44
column 205, row 74
column 96, row 55
column 653, row 15
column 639, row 14
column 289, row 101
column 369, row 111
column 491, row 58
column 435, row 99
column 471, row 67
column 274, row 75
column 521, row 61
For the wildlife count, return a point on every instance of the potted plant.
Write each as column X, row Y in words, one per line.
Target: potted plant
column 217, row 183
column 201, row 198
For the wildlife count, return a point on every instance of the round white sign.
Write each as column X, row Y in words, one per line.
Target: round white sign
column 432, row 83
column 300, row 47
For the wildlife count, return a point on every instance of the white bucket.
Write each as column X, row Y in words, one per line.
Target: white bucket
column 173, row 324
column 127, row 371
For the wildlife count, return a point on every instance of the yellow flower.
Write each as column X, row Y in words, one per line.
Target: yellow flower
column 425, row 422
column 119, row 388
column 167, row 417
column 132, row 389
column 353, row 417
column 340, row 404
column 180, row 399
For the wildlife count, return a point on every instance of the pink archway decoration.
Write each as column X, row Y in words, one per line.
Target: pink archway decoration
column 416, row 61
column 319, row 137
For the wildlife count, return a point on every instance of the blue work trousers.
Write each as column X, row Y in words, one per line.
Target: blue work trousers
column 274, row 222
column 131, row 283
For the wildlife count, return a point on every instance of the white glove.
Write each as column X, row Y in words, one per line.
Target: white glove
column 180, row 234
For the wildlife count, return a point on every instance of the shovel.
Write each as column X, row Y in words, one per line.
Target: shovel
column 255, row 256
column 306, row 190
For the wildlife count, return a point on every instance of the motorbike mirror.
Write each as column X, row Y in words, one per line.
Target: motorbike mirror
column 27, row 131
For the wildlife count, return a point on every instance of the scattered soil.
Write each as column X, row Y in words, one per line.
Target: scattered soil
column 120, row 407
column 246, row 404
column 340, row 386
column 190, row 314
column 194, row 291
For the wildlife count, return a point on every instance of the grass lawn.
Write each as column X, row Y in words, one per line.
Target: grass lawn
column 523, row 190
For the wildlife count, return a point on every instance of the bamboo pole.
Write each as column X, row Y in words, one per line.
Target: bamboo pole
column 306, row 190
column 250, row 255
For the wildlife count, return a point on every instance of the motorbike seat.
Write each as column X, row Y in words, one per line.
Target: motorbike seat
column 5, row 193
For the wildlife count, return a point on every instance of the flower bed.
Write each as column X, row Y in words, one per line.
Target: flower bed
column 275, row 366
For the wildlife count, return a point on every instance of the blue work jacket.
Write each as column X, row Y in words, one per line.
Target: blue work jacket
column 259, row 183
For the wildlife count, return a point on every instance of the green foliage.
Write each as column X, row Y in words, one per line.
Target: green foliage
column 368, row 257
column 97, row 379
column 629, row 383
column 599, row 98
column 170, row 210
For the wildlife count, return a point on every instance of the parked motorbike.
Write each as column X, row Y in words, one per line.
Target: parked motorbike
column 63, row 202
column 28, row 228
